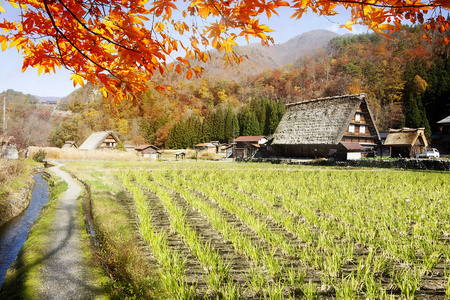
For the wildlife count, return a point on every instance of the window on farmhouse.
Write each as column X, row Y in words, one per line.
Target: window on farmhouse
column 362, row 129
column 351, row 128
column 357, row 117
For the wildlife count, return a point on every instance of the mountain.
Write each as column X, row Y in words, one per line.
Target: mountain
column 15, row 97
column 260, row 58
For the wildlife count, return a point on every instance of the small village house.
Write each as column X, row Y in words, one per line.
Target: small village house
column 102, row 140
column 315, row 128
column 441, row 139
column 211, row 147
column 249, row 146
column 349, row 150
column 129, row 147
column 69, row 145
column 406, row 142
column 148, row 151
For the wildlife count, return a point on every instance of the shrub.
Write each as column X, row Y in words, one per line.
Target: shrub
column 39, row 156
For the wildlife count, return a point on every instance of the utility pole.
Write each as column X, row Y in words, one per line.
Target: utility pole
column 4, row 116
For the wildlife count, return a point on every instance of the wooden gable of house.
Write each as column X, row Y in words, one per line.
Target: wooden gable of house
column 361, row 128
column 109, row 142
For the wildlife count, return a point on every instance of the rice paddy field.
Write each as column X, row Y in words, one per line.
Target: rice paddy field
column 256, row 231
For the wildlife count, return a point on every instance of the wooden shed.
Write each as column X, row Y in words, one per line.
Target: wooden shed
column 406, row 142
column 349, row 151
column 148, row 151
column 101, row 140
column 211, row 147
column 69, row 145
column 314, row 128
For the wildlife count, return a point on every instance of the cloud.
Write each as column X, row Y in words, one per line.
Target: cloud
column 356, row 29
column 335, row 28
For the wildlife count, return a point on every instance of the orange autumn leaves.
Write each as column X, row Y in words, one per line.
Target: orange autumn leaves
column 122, row 44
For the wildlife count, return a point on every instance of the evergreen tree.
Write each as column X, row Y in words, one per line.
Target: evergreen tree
column 193, row 130
column 228, row 125
column 423, row 118
column 219, row 125
column 207, row 126
column 412, row 113
column 235, row 126
column 248, row 123
column 259, row 106
column 436, row 98
column 170, row 143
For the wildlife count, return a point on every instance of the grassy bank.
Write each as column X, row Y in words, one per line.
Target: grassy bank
column 120, row 251
column 15, row 187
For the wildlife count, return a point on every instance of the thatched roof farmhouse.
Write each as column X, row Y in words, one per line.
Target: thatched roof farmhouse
column 406, row 142
column 314, row 128
column 100, row 140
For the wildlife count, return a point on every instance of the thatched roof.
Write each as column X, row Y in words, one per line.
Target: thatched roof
column 96, row 139
column 445, row 121
column 406, row 137
column 322, row 121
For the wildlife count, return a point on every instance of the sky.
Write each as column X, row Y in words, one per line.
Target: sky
column 60, row 85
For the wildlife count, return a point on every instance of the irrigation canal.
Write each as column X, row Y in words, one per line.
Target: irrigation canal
column 14, row 233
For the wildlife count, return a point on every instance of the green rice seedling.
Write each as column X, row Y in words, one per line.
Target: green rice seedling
column 333, row 263
column 447, row 288
column 273, row 265
column 408, row 281
column 295, row 278
column 310, row 291
column 429, row 262
column 231, row 291
column 385, row 296
column 348, row 288
column 373, row 289
column 381, row 264
column 256, row 280
column 275, row 292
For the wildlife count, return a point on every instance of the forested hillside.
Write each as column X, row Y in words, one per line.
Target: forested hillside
column 27, row 121
column 407, row 81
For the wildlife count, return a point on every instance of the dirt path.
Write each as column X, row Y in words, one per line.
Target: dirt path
column 63, row 270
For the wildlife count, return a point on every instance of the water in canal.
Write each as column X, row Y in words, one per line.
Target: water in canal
column 14, row 233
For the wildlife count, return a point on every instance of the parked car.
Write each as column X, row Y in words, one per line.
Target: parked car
column 429, row 153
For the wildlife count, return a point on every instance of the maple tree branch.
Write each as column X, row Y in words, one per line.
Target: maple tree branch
column 60, row 52
column 385, row 5
column 92, row 32
column 58, row 31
